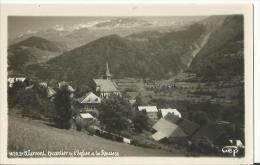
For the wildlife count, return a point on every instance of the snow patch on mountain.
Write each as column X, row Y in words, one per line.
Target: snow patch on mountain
column 59, row 27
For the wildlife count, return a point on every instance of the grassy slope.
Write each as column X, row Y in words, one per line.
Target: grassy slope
column 24, row 134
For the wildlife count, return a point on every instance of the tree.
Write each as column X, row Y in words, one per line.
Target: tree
column 82, row 90
column 159, row 114
column 63, row 108
column 139, row 100
column 115, row 113
column 140, row 121
column 200, row 117
column 203, row 145
column 31, row 102
column 43, row 91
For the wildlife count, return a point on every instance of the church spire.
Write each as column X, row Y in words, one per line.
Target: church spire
column 108, row 75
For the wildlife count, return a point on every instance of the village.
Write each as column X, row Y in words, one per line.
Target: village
column 150, row 125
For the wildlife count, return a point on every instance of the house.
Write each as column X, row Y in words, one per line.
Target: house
column 90, row 101
column 223, row 122
column 50, row 92
column 151, row 111
column 87, row 119
column 166, row 129
column 172, row 128
column 164, row 112
column 86, row 116
column 106, row 86
column 12, row 80
column 237, row 143
column 43, row 84
column 84, row 120
column 132, row 101
column 29, row 87
column 126, row 140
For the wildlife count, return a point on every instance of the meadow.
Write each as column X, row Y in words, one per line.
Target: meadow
column 28, row 134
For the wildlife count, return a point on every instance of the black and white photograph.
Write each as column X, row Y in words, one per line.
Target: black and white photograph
column 126, row 86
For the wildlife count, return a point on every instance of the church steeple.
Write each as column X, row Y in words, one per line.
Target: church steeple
column 108, row 75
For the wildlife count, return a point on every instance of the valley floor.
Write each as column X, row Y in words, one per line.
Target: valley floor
column 27, row 134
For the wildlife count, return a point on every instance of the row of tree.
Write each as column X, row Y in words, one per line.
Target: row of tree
column 115, row 113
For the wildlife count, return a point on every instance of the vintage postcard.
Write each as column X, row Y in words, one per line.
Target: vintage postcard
column 127, row 84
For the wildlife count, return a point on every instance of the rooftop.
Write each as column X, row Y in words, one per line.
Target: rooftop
column 166, row 129
column 169, row 110
column 50, row 92
column 86, row 116
column 172, row 118
column 106, row 85
column 148, row 108
column 189, row 127
column 90, row 97
column 173, row 126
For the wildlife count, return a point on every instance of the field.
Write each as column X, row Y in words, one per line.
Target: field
column 181, row 88
column 27, row 134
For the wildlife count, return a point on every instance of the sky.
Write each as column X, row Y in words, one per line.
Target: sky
column 21, row 24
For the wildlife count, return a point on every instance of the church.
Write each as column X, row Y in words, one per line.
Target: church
column 106, row 86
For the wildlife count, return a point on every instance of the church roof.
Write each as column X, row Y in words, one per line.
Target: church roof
column 106, row 85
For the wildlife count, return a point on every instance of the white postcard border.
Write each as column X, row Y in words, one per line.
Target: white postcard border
column 130, row 10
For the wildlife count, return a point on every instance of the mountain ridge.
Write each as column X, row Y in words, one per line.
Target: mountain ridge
column 33, row 50
column 156, row 57
column 223, row 55
column 82, row 34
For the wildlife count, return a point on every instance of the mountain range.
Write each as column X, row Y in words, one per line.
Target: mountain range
column 83, row 33
column 211, row 48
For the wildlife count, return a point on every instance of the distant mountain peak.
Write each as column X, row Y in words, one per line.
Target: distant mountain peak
column 124, row 22
column 59, row 27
